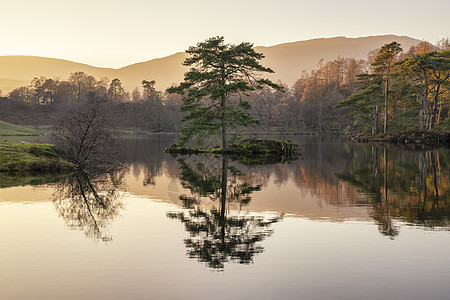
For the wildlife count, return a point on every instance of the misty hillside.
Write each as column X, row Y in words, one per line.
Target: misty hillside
column 288, row 60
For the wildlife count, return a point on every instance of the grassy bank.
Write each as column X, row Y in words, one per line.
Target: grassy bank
column 31, row 157
column 7, row 129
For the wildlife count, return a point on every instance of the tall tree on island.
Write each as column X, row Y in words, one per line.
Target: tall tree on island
column 212, row 89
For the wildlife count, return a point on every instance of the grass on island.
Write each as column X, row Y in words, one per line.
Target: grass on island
column 7, row 129
column 31, row 157
column 250, row 151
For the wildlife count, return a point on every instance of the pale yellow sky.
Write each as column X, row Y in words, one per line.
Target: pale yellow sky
column 112, row 33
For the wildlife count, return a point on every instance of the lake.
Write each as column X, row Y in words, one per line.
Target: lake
column 345, row 221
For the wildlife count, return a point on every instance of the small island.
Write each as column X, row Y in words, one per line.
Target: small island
column 249, row 151
column 211, row 97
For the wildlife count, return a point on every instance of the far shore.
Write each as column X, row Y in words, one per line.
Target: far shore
column 408, row 138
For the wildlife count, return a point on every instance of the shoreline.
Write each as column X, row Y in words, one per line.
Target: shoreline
column 406, row 138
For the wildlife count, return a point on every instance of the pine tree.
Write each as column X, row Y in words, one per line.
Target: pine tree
column 382, row 63
column 212, row 89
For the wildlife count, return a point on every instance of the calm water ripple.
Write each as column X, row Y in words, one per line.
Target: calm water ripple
column 345, row 222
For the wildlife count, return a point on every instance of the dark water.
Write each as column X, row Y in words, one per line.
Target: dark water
column 344, row 222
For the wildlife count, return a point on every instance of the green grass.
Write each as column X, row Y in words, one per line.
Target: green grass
column 11, row 129
column 250, row 151
column 31, row 157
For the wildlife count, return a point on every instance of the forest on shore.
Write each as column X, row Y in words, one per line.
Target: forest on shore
column 391, row 90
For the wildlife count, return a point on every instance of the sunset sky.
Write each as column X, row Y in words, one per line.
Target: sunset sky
column 116, row 33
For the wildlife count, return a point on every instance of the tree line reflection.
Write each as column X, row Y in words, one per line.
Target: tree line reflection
column 411, row 186
column 394, row 184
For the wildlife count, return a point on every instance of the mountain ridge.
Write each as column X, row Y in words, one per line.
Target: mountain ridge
column 288, row 60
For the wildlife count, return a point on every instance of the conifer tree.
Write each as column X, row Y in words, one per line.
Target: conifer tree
column 212, row 89
column 382, row 63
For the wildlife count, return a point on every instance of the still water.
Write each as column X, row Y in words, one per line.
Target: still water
column 343, row 222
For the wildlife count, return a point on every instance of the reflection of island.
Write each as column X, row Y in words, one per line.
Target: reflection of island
column 218, row 235
column 89, row 202
column 410, row 186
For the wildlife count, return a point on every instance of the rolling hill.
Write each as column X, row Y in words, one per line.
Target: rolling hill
column 288, row 60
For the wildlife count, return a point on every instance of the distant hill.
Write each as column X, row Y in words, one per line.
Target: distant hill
column 165, row 71
column 288, row 60
column 19, row 70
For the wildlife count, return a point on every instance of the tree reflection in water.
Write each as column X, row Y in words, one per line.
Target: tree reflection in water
column 411, row 186
column 220, row 234
column 90, row 201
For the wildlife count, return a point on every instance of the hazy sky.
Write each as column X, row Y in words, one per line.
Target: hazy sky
column 115, row 33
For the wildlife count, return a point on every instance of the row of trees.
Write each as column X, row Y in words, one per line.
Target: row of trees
column 309, row 104
column 403, row 90
column 145, row 108
column 391, row 90
column 76, row 88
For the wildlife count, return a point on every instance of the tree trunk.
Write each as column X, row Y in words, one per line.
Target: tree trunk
column 375, row 118
column 423, row 116
column 224, row 139
column 435, row 107
column 224, row 125
column 424, row 112
column 386, row 100
column 439, row 114
column 223, row 106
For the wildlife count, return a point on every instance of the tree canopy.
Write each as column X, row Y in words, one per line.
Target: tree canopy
column 213, row 89
column 415, row 86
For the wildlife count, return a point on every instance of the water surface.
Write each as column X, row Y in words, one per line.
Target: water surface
column 344, row 222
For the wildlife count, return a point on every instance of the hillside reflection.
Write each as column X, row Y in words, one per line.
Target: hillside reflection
column 219, row 232
column 90, row 201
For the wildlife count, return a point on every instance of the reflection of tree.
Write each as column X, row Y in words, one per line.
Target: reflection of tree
column 89, row 202
column 411, row 186
column 218, row 236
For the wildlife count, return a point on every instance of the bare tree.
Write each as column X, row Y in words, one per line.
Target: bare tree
column 87, row 136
